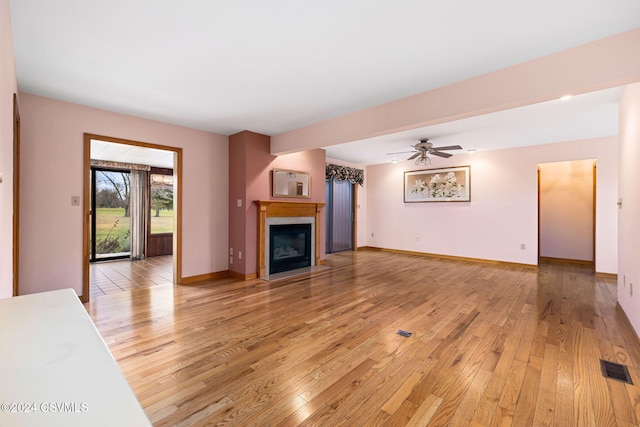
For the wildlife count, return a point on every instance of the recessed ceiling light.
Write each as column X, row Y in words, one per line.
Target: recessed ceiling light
column 471, row 150
column 565, row 97
column 394, row 160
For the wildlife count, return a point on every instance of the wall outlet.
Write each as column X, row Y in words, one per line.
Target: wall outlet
column 75, row 200
column 230, row 260
column 231, row 251
column 239, row 254
column 418, row 239
column 523, row 246
column 239, row 203
column 371, row 234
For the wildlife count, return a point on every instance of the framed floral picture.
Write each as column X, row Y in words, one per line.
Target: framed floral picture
column 438, row 185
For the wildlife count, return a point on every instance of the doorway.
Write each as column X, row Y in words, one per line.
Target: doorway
column 566, row 211
column 117, row 238
column 340, row 216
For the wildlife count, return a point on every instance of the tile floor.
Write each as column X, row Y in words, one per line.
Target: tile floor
column 110, row 277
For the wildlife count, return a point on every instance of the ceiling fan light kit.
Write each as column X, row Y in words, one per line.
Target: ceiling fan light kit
column 423, row 160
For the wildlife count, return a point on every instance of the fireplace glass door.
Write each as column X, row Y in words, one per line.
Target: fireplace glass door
column 289, row 247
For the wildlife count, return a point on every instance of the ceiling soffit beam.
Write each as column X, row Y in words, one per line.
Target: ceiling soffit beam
column 602, row 64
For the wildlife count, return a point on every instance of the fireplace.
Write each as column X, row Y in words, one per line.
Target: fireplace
column 289, row 247
column 305, row 215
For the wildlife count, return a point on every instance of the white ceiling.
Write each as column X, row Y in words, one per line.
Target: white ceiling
column 586, row 116
column 272, row 66
column 103, row 150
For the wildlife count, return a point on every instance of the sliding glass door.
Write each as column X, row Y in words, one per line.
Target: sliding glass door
column 339, row 216
column 110, row 217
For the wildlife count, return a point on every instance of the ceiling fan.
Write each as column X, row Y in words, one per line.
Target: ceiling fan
column 424, row 147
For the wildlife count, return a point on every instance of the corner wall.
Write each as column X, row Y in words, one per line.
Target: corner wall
column 52, row 172
column 503, row 212
column 251, row 162
column 629, row 211
column 8, row 86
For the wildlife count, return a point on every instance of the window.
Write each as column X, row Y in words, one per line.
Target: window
column 161, row 203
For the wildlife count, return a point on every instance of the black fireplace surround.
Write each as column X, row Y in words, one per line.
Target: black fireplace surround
column 289, row 247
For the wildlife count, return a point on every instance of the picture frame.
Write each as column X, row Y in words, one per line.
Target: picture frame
column 438, row 185
column 289, row 183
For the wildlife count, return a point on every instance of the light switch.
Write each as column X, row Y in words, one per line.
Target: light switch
column 239, row 203
column 75, row 200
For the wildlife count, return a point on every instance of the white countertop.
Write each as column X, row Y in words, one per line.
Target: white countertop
column 55, row 369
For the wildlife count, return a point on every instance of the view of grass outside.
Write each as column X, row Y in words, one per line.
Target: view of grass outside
column 113, row 230
column 162, row 223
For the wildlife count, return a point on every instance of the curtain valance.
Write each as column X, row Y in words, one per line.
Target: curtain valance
column 344, row 173
column 119, row 165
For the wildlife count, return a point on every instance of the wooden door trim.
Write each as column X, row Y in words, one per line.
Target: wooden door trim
column 16, row 196
column 177, row 226
column 539, row 229
column 595, row 162
column 354, row 212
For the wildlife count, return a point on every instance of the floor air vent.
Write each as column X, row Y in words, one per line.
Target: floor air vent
column 615, row 371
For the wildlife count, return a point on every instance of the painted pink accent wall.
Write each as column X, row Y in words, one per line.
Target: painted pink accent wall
column 250, row 162
column 8, row 86
column 249, row 165
column 609, row 62
column 629, row 211
column 566, row 210
column 502, row 213
column 52, row 172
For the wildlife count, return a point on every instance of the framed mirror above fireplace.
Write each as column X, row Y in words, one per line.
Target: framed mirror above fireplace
column 289, row 183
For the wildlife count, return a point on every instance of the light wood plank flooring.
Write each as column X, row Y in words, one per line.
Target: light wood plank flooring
column 491, row 345
column 109, row 277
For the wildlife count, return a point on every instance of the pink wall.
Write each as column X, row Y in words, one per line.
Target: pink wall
column 255, row 170
column 249, row 164
column 610, row 62
column 566, row 210
column 52, row 172
column 629, row 211
column 237, row 192
column 8, row 86
column 502, row 213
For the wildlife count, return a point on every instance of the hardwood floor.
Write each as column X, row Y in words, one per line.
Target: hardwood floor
column 110, row 277
column 491, row 345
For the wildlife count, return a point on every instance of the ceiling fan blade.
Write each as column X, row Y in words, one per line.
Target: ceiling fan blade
column 448, row 147
column 414, row 156
column 401, row 152
column 439, row 154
